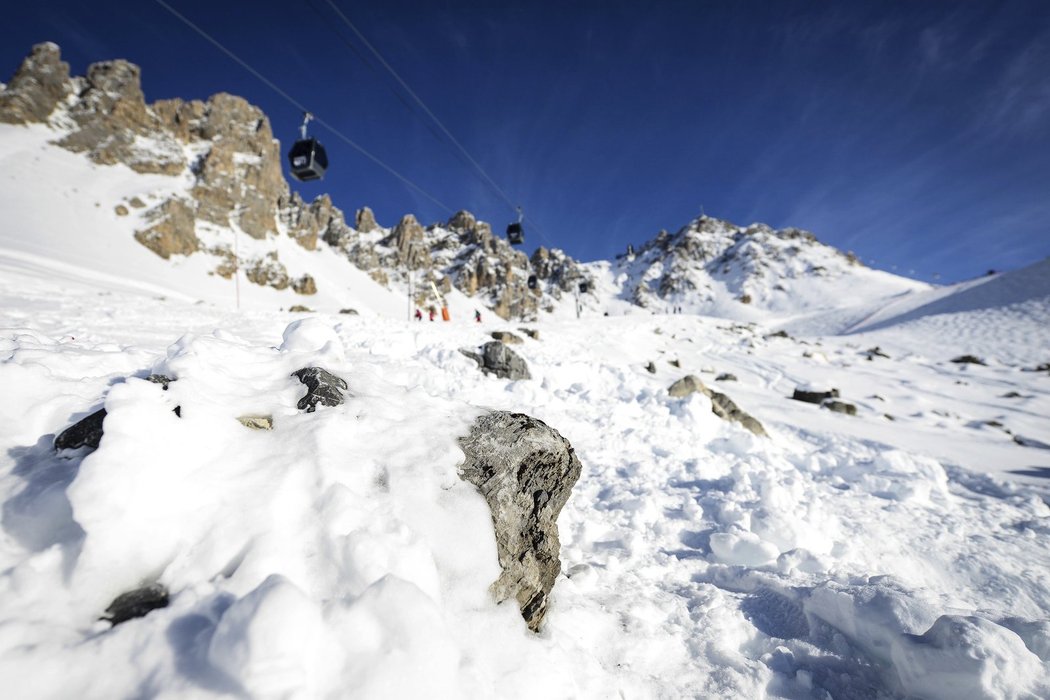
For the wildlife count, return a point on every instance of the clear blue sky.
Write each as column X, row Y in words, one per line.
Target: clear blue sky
column 915, row 133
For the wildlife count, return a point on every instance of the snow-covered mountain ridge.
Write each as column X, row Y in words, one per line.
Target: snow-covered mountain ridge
column 211, row 190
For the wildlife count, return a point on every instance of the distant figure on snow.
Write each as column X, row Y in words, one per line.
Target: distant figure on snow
column 419, row 315
column 432, row 313
column 477, row 316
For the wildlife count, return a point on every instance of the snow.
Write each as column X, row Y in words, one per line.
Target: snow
column 897, row 553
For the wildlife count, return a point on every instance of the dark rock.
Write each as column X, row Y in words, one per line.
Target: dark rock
column 496, row 358
column 651, row 368
column 322, row 387
column 1044, row 367
column 814, row 396
column 507, row 337
column 86, row 432
column 968, row 360
column 840, row 407
column 349, row 312
column 745, row 298
column 299, row 309
column 778, row 334
column 1012, row 395
column 726, row 377
column 675, row 363
column 525, row 470
column 531, row 332
column 874, row 352
column 137, row 603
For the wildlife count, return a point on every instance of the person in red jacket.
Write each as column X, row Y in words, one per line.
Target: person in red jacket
column 419, row 315
column 477, row 316
column 432, row 312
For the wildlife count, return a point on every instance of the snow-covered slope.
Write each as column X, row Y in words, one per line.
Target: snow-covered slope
column 339, row 554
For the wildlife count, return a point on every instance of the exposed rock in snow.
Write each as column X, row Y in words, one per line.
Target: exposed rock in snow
column 496, row 358
column 87, row 432
column 813, row 396
column 137, row 603
column 526, row 471
column 507, row 337
column 721, row 405
column 839, row 407
column 322, row 387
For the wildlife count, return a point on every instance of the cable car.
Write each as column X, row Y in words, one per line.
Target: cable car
column 307, row 159
column 515, row 233
column 533, row 281
column 585, row 287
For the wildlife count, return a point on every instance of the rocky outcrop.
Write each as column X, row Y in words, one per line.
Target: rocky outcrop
column 173, row 230
column 225, row 148
column 525, row 470
column 496, row 358
column 322, row 387
column 39, row 85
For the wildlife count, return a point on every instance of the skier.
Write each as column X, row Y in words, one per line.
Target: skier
column 419, row 315
column 432, row 313
column 477, row 316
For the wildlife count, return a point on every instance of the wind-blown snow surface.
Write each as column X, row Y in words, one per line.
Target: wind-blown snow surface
column 340, row 555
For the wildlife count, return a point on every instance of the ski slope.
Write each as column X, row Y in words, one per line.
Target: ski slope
column 896, row 553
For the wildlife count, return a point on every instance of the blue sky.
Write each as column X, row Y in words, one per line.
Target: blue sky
column 916, row 134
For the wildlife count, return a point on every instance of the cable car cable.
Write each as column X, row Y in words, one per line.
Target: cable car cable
column 419, row 101
column 422, row 104
column 270, row 84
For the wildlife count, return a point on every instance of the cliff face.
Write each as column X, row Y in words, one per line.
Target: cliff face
column 224, row 151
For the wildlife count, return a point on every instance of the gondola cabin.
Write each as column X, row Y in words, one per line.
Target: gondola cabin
column 584, row 287
column 533, row 282
column 307, row 160
column 515, row 233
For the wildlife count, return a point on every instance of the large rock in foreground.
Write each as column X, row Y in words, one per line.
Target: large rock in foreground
column 525, row 470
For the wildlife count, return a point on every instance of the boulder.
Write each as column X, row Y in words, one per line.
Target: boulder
column 86, row 432
column 968, row 360
column 256, row 422
column 496, row 358
column 136, row 603
column 686, row 385
column 531, row 332
column 840, row 407
column 816, row 397
column 507, row 337
column 525, row 470
column 322, row 387
column 726, row 377
column 651, row 368
column 721, row 405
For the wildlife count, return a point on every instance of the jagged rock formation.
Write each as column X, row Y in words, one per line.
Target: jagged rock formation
column 525, row 470
column 711, row 258
column 237, row 183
